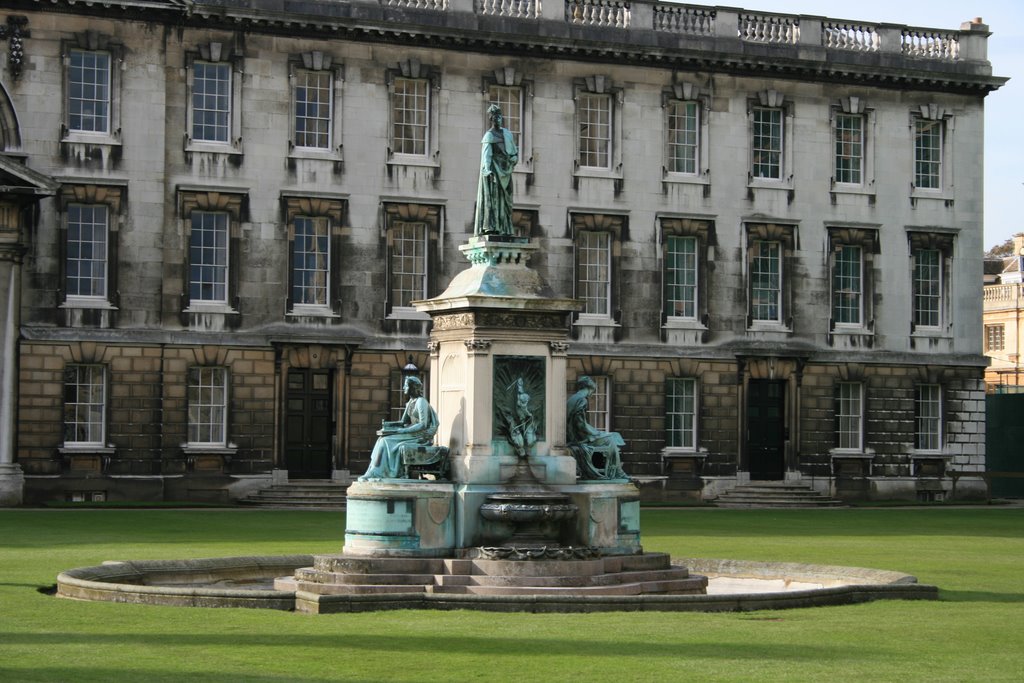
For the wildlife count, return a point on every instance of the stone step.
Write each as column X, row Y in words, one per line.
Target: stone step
column 562, row 581
column 675, row 587
column 313, row 576
column 300, row 493
column 775, row 494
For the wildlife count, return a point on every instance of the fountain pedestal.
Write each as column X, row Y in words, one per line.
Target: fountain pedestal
column 498, row 382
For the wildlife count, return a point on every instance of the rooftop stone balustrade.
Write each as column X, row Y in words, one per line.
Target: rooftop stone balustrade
column 633, row 31
column 757, row 27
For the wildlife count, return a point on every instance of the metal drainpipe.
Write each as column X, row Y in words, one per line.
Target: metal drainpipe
column 160, row 423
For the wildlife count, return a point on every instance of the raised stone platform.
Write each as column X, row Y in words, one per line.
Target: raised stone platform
column 248, row 582
column 646, row 574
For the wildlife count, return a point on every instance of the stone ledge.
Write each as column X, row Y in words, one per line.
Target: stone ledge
column 191, row 583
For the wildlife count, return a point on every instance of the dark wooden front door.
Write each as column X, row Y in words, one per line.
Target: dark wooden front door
column 308, row 423
column 766, row 428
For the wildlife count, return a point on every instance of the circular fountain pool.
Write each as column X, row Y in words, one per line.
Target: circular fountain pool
column 733, row 585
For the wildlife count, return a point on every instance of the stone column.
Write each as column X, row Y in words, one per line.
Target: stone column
column 12, row 481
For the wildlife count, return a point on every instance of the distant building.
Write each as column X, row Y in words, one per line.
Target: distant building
column 1004, row 320
column 773, row 223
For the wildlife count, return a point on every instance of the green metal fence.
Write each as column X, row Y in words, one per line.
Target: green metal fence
column 1004, row 444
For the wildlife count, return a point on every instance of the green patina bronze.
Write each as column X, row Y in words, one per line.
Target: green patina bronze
column 498, row 158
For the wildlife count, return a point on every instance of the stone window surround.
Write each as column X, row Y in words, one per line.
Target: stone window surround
column 510, row 76
column 599, row 85
column 234, row 202
column 617, row 226
column 93, row 41
column 224, row 447
column 317, row 61
column 335, row 209
column 412, row 68
column 412, row 210
column 865, row 237
column 113, row 195
column 942, row 240
column 703, row 230
column 695, row 418
column 934, row 112
column 941, row 430
column 683, row 91
column 761, row 230
column 772, row 99
column 855, row 105
column 216, row 52
column 101, row 445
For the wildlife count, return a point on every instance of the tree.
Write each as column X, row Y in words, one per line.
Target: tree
column 1000, row 250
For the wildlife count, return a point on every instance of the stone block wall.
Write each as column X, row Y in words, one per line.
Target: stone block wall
column 147, row 413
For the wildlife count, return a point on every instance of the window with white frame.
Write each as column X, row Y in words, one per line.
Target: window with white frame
column 928, row 417
column 91, row 78
column 89, row 91
column 314, row 250
column 207, row 406
column 848, row 285
column 928, row 143
column 995, row 337
column 927, row 287
column 410, row 116
column 411, row 234
column 593, row 272
column 408, row 259
column 681, row 274
column 86, row 250
column 849, row 415
column 766, row 143
column 208, row 257
column 766, row 282
column 598, row 407
column 851, row 259
column 211, row 101
column 84, row 405
column 314, row 104
column 311, row 261
column 510, row 99
column 681, row 413
column 683, row 137
column 848, row 130
column 594, row 138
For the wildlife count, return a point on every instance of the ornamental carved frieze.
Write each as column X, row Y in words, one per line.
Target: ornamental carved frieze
column 559, row 347
column 510, row 320
column 453, row 321
column 520, row 321
column 477, row 345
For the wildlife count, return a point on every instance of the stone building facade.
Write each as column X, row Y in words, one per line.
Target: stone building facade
column 774, row 224
column 1003, row 317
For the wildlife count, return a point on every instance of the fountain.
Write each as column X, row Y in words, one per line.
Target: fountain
column 504, row 498
column 531, row 509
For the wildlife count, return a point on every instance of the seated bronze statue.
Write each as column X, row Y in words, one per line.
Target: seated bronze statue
column 408, row 441
column 596, row 452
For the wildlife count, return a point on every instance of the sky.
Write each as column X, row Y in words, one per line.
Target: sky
column 1004, row 135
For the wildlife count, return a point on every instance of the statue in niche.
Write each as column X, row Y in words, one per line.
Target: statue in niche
column 596, row 452
column 498, row 158
column 522, row 432
column 401, row 438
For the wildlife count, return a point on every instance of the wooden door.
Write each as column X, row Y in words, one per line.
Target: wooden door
column 766, row 429
column 308, row 423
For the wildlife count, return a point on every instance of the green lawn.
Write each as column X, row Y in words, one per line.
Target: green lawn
column 974, row 633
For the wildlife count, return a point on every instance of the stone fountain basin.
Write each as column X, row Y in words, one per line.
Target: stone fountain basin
column 734, row 585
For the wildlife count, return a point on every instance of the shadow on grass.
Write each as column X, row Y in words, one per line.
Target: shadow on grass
column 410, row 645
column 979, row 596
column 847, row 523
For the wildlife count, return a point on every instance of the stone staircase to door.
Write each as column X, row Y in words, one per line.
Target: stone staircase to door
column 300, row 493
column 775, row 494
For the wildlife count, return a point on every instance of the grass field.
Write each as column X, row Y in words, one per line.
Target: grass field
column 974, row 633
